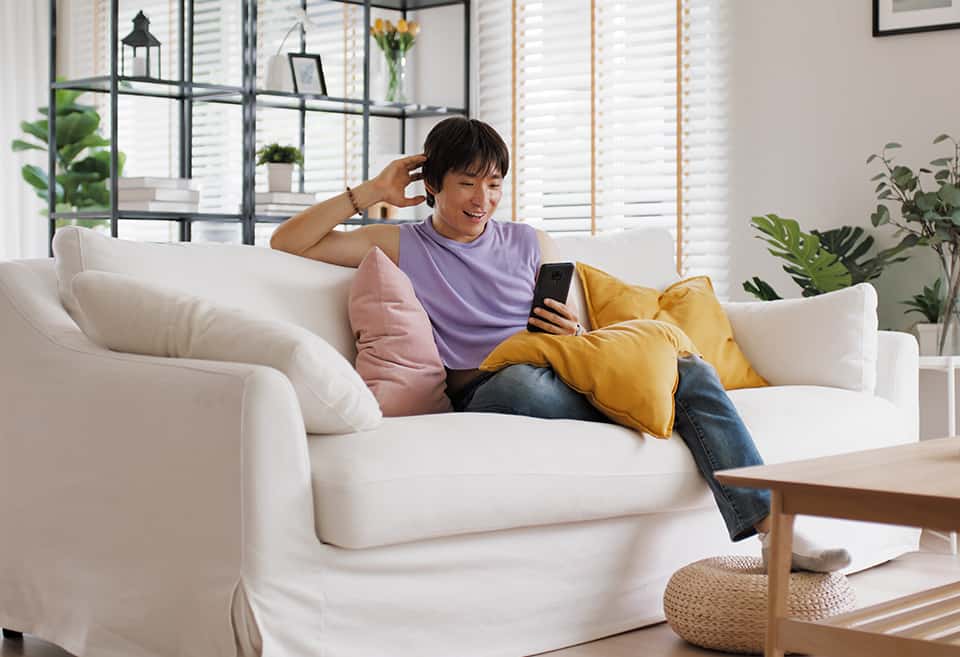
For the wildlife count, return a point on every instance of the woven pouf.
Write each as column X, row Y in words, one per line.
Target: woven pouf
column 721, row 602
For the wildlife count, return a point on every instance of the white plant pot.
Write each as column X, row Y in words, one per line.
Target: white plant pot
column 279, row 177
column 927, row 336
column 277, row 77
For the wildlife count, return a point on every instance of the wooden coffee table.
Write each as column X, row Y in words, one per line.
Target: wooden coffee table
column 916, row 484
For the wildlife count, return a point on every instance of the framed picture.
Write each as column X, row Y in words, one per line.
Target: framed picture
column 907, row 16
column 308, row 74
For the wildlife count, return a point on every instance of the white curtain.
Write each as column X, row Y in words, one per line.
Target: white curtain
column 24, row 34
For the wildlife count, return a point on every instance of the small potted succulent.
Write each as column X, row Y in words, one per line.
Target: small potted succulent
column 279, row 160
column 929, row 304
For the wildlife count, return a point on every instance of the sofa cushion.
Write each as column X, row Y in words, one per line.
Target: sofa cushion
column 424, row 477
column 269, row 283
column 628, row 371
column 125, row 314
column 690, row 304
column 826, row 340
column 396, row 352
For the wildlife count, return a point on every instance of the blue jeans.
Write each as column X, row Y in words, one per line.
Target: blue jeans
column 705, row 418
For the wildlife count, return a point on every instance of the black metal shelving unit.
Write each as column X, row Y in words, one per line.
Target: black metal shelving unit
column 186, row 92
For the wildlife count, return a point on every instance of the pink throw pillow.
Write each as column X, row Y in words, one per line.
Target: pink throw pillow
column 396, row 353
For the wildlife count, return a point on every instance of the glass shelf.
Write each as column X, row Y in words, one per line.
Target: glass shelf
column 140, row 215
column 197, row 91
column 156, row 88
column 409, row 5
column 279, row 219
column 317, row 103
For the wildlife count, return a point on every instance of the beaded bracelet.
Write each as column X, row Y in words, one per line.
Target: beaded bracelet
column 353, row 200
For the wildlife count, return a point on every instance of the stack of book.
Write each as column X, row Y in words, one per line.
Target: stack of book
column 282, row 203
column 154, row 194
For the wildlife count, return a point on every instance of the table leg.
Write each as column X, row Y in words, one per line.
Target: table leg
column 951, row 402
column 778, row 573
column 952, row 427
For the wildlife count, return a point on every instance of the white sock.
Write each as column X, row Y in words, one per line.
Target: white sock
column 807, row 555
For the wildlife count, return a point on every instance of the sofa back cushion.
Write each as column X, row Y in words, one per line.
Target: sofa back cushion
column 268, row 283
column 827, row 340
column 642, row 256
column 311, row 294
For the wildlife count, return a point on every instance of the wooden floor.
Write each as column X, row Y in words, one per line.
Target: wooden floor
column 930, row 567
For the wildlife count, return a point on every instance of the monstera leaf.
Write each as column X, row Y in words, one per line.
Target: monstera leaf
column 813, row 267
column 760, row 289
column 850, row 245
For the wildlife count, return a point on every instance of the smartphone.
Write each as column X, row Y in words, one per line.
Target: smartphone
column 552, row 283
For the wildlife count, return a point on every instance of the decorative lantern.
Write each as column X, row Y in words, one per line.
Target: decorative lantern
column 140, row 38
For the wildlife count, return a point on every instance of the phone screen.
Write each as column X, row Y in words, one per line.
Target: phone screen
column 552, row 283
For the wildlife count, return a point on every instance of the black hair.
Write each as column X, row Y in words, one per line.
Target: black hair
column 463, row 145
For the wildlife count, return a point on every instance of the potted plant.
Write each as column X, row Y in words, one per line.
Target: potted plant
column 931, row 215
column 279, row 160
column 82, row 158
column 929, row 304
column 821, row 262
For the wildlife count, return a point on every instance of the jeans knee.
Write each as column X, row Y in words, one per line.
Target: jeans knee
column 695, row 371
column 520, row 378
column 509, row 389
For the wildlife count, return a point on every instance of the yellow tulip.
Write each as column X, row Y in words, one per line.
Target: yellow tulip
column 390, row 27
column 414, row 28
column 378, row 25
column 402, row 26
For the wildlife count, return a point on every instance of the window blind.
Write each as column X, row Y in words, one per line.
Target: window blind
column 595, row 148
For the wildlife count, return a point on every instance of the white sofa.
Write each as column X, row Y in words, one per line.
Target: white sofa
column 161, row 507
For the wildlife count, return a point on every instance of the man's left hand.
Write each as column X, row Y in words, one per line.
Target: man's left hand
column 562, row 320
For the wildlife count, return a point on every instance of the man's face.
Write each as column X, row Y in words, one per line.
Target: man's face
column 465, row 204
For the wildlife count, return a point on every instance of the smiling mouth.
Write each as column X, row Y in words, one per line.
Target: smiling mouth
column 475, row 216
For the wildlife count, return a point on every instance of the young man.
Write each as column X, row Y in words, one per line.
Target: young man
column 475, row 277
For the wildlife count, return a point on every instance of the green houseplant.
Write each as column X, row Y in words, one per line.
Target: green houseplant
column 821, row 261
column 82, row 157
column 929, row 212
column 929, row 305
column 279, row 160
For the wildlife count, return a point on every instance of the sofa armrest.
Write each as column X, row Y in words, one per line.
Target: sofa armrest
column 826, row 340
column 135, row 487
column 898, row 375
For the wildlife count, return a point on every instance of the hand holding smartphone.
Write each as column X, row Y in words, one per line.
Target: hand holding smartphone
column 552, row 283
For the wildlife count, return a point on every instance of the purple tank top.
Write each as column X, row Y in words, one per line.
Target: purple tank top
column 477, row 294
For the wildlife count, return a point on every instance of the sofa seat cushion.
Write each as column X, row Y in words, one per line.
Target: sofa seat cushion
column 416, row 478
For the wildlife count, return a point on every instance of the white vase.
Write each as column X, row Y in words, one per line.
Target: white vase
column 277, row 77
column 279, row 177
column 928, row 336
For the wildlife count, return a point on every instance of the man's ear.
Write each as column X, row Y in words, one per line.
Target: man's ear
column 429, row 187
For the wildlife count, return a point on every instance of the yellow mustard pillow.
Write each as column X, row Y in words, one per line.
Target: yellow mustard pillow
column 689, row 304
column 627, row 370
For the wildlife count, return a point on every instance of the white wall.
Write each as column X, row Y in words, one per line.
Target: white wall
column 814, row 93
